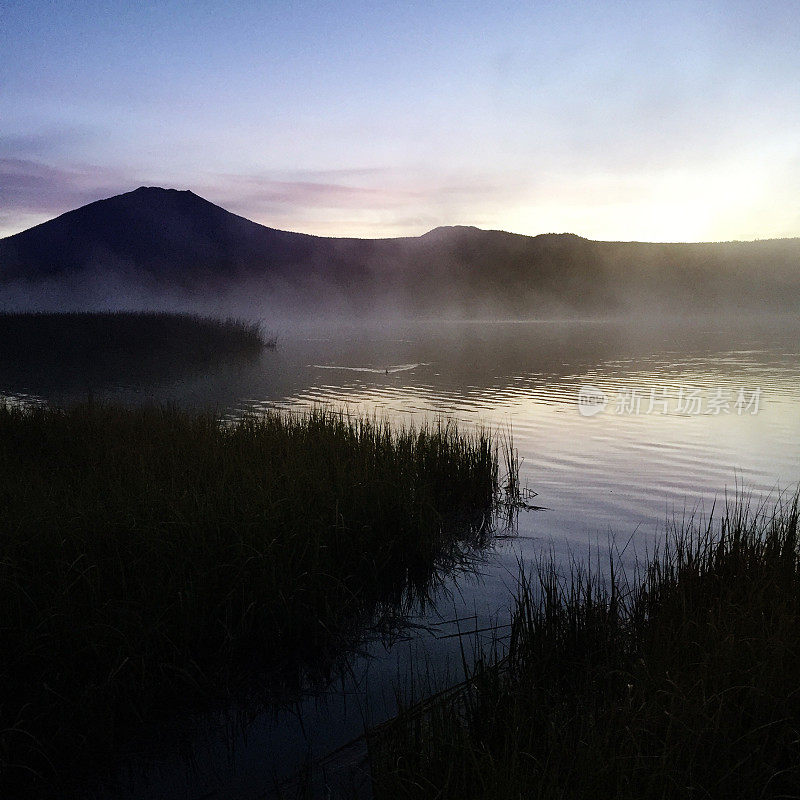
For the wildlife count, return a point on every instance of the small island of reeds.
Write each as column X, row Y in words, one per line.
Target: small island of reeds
column 76, row 355
column 155, row 560
column 85, row 335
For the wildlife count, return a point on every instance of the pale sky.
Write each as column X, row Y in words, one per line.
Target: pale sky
column 668, row 121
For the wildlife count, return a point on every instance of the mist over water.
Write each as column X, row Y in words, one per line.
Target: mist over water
column 164, row 249
column 618, row 469
column 623, row 469
column 640, row 381
column 615, row 476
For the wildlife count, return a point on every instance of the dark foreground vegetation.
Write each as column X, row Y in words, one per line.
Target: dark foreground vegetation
column 683, row 683
column 154, row 560
column 84, row 336
column 68, row 356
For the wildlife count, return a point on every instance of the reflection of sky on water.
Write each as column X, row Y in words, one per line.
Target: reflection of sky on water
column 609, row 477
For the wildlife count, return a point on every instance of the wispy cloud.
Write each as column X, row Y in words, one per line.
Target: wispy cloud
column 363, row 201
column 32, row 191
column 360, row 201
column 48, row 144
column 376, row 202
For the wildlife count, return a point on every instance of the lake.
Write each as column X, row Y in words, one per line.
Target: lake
column 619, row 428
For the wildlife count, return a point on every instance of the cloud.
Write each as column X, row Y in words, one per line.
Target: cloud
column 355, row 202
column 365, row 201
column 42, row 174
column 269, row 193
column 33, row 191
column 360, row 201
column 47, row 144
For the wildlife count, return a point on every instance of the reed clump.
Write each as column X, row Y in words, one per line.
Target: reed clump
column 681, row 681
column 153, row 560
column 86, row 338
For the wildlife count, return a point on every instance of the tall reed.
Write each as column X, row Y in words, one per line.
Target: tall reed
column 678, row 681
column 154, row 560
column 83, row 334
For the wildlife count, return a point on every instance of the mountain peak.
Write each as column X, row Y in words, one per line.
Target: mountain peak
column 446, row 230
column 160, row 190
column 160, row 194
column 160, row 231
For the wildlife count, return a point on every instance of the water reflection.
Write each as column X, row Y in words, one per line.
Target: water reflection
column 269, row 743
column 614, row 474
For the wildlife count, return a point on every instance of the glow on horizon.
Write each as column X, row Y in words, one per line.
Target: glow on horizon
column 613, row 120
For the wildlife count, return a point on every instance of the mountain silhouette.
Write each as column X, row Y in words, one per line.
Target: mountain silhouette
column 163, row 243
column 164, row 232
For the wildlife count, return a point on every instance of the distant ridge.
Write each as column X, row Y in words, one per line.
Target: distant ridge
column 154, row 243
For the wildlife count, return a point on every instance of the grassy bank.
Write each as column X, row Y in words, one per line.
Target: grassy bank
column 682, row 683
column 155, row 559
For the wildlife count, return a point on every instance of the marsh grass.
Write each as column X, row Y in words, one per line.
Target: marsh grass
column 155, row 560
column 681, row 680
column 81, row 353
column 83, row 334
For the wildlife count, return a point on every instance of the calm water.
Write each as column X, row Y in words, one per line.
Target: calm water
column 691, row 411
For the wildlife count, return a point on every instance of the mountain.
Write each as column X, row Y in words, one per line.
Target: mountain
column 166, row 248
column 164, row 233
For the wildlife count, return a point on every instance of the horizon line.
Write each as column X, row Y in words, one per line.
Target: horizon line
column 407, row 236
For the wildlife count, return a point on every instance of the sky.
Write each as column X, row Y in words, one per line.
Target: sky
column 664, row 121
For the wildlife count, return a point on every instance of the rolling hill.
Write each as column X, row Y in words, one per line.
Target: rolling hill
column 163, row 248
